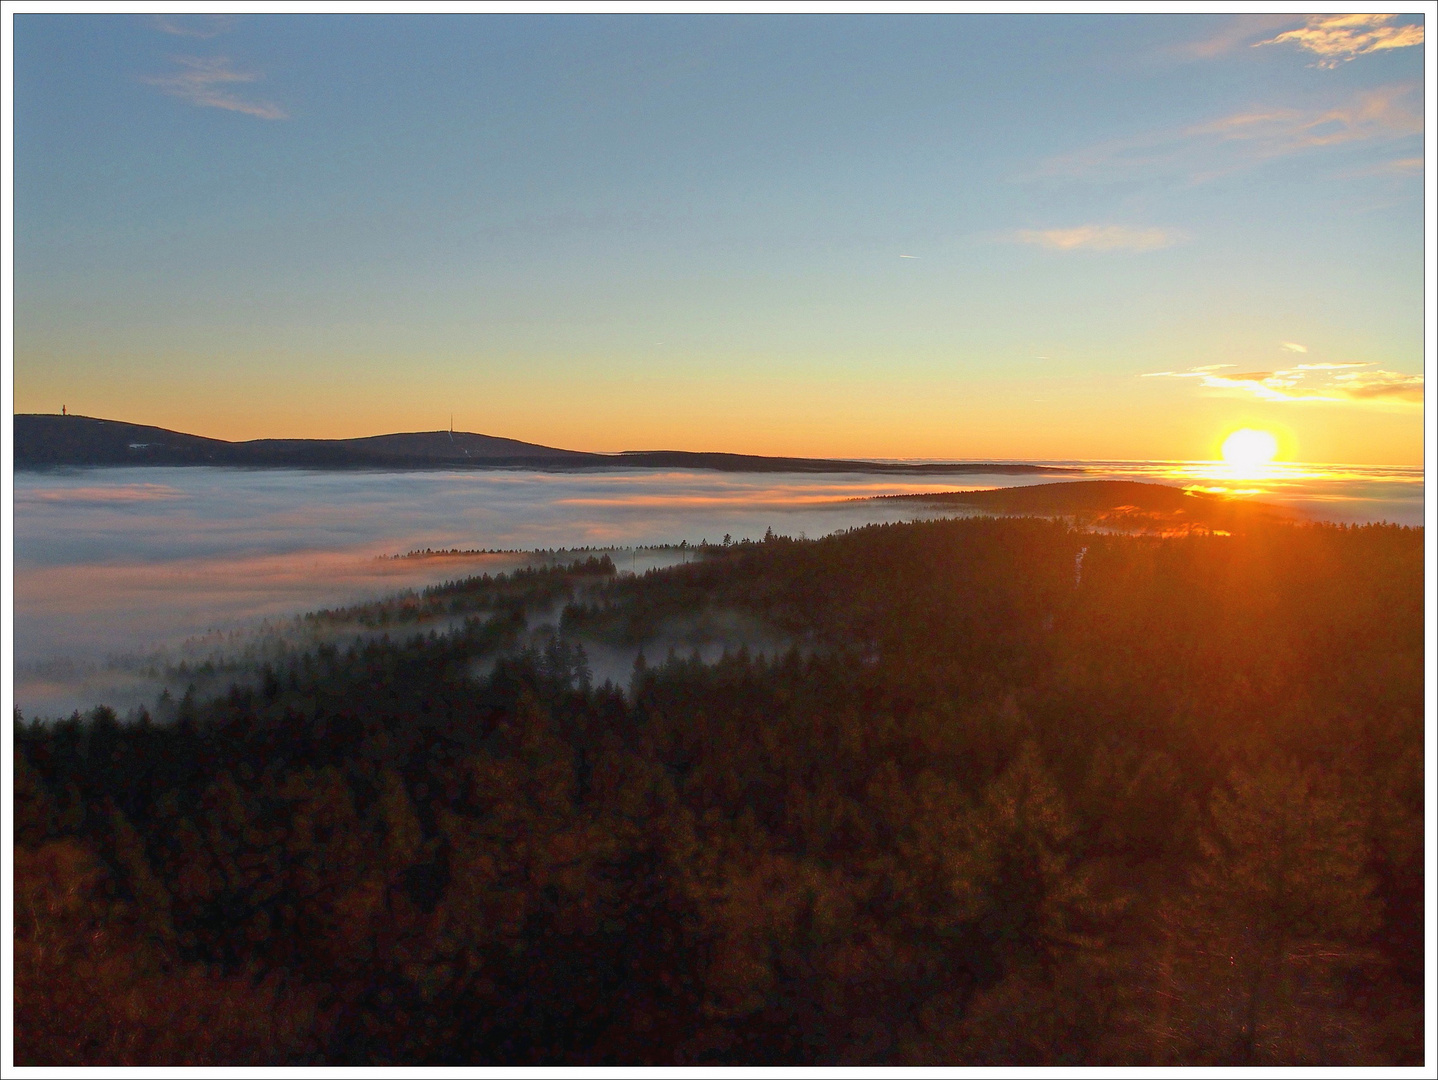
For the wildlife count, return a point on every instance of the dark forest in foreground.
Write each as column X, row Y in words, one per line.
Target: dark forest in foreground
column 1006, row 792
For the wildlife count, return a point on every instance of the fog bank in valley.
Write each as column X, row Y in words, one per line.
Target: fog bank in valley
column 121, row 570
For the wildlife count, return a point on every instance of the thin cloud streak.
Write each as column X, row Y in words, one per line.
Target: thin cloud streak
column 1100, row 238
column 1244, row 139
column 209, row 26
column 1237, row 32
column 1373, row 114
column 1337, row 382
column 1405, row 165
column 202, row 80
column 1336, row 39
column 1398, row 168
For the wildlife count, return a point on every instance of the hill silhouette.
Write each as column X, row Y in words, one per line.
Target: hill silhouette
column 45, row 439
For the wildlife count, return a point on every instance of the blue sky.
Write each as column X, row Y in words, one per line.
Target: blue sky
column 948, row 236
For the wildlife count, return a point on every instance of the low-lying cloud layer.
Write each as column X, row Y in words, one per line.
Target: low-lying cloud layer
column 100, row 495
column 126, row 561
column 114, row 563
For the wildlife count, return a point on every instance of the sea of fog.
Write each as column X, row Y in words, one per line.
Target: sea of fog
column 117, row 566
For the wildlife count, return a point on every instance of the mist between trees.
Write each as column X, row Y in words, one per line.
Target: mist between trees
column 925, row 796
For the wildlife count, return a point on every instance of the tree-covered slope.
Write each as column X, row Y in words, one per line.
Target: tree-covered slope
column 982, row 792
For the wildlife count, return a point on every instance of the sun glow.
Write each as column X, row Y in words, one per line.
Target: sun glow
column 1249, row 450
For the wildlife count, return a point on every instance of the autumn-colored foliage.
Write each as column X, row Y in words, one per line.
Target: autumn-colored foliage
column 965, row 800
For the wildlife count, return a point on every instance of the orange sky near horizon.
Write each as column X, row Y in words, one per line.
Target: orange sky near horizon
column 1074, row 237
column 1089, row 421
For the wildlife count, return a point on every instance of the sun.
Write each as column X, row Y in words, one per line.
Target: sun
column 1250, row 449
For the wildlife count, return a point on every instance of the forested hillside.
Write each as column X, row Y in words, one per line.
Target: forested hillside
column 986, row 791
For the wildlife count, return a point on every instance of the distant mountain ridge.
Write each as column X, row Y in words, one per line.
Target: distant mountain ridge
column 45, row 439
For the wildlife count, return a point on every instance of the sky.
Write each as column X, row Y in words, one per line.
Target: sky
column 925, row 236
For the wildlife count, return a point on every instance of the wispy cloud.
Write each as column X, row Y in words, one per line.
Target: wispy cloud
column 1373, row 114
column 1307, row 382
column 1234, row 33
column 1293, row 346
column 204, row 82
column 1337, row 39
column 1381, row 384
column 193, row 26
column 1240, row 140
column 1397, row 168
column 1100, row 238
column 1404, row 165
